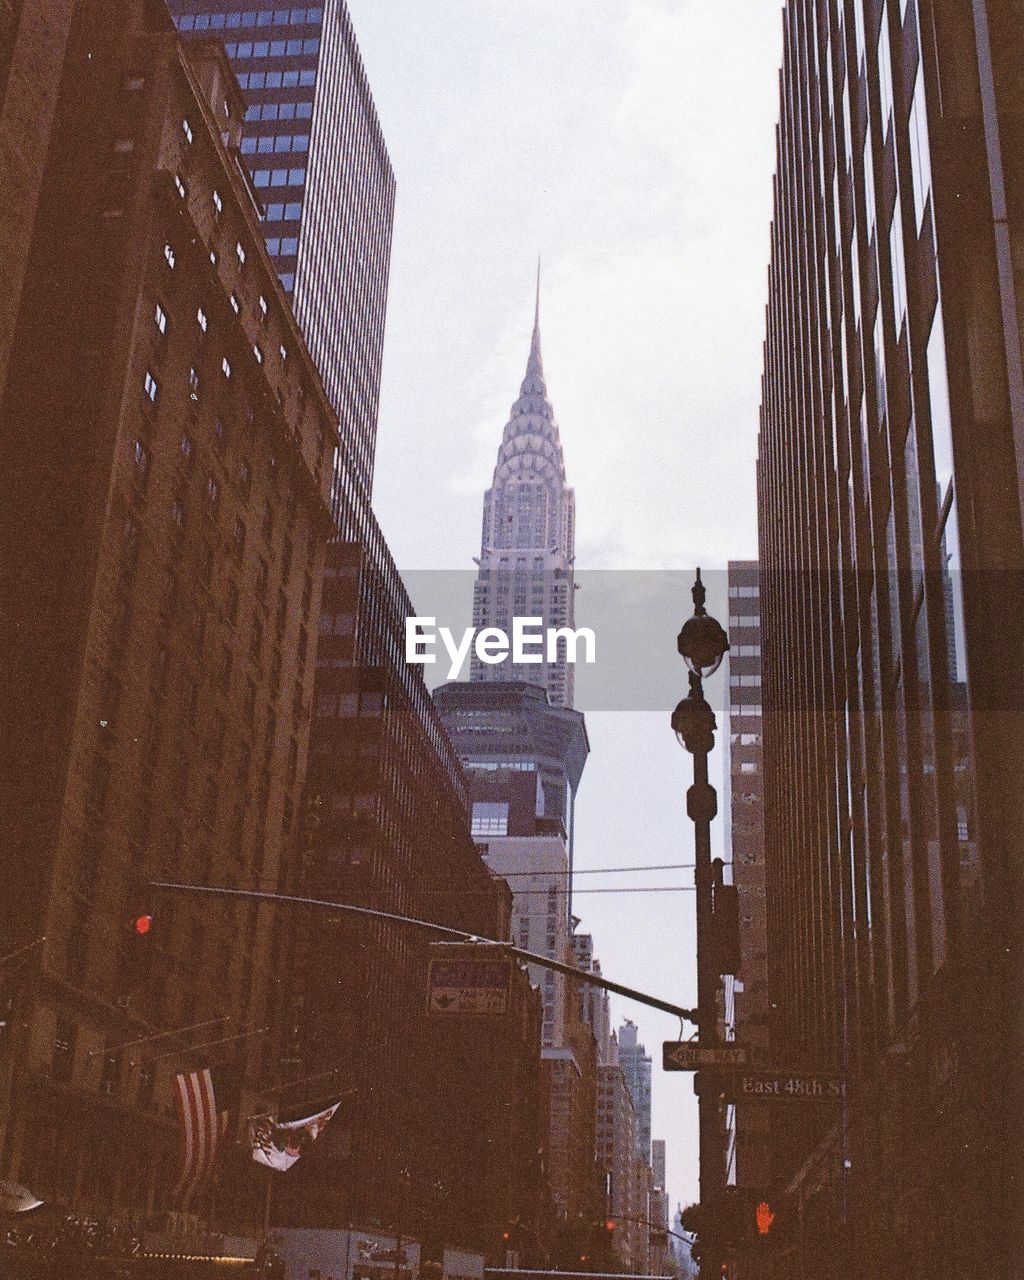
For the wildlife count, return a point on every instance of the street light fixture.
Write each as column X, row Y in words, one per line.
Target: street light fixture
column 703, row 644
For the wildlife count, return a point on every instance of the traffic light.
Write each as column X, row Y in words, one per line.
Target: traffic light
column 139, row 937
column 765, row 1218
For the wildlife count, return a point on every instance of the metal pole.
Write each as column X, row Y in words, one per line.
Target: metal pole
column 703, row 644
column 701, row 804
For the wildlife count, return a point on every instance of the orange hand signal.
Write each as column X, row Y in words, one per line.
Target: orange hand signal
column 765, row 1218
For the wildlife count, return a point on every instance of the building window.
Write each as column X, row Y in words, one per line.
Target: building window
column 160, row 318
column 490, row 818
column 193, row 384
column 225, row 367
column 258, row 354
column 899, row 271
column 236, row 306
column 179, row 186
column 218, row 203
column 169, row 255
column 284, row 352
column 62, row 1061
column 920, row 159
column 201, row 320
column 263, row 309
column 141, row 456
column 151, row 387
column 240, row 253
column 186, row 129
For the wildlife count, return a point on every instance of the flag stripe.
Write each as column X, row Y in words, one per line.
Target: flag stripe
column 202, row 1130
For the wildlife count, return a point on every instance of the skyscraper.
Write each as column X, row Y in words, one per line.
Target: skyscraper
column 168, row 447
column 636, row 1067
column 528, row 544
column 313, row 145
column 891, row 484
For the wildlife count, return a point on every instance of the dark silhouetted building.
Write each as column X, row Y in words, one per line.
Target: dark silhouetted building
column 388, row 828
column 168, row 452
column 892, row 622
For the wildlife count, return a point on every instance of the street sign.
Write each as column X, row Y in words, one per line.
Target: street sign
column 471, row 984
column 769, row 1086
column 689, row 1055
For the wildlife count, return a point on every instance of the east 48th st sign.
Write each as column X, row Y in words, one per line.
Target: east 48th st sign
column 769, row 1086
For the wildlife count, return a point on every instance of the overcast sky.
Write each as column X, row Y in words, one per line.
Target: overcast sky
column 630, row 143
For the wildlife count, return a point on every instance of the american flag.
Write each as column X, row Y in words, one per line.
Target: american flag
column 203, row 1127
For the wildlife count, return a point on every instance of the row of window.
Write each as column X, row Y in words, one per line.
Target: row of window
column 746, row 682
column 744, row 619
column 279, row 177
column 283, row 246
column 746, row 593
column 279, row 111
column 290, row 212
column 261, row 18
column 276, row 79
column 275, row 145
column 271, row 48
column 202, row 320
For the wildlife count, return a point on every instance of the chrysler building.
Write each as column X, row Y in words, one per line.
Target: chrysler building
column 527, row 547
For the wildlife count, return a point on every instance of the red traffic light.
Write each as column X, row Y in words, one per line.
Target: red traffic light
column 142, row 925
column 765, row 1216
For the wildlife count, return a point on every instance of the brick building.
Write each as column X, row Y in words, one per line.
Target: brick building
column 168, row 448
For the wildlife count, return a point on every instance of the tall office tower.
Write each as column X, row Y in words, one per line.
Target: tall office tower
column 616, row 1151
column 751, row 1003
column 314, row 147
column 892, row 606
column 636, row 1067
column 513, row 726
column 167, row 449
column 660, row 1252
column 528, row 544
column 594, row 1003
column 530, row 854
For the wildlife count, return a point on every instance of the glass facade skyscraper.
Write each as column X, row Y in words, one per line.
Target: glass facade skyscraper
column 313, row 145
column 890, row 470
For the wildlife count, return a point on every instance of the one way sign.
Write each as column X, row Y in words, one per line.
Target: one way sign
column 690, row 1055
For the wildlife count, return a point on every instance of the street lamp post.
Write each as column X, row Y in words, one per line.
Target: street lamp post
column 703, row 644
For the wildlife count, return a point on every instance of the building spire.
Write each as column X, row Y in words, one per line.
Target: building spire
column 535, row 365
